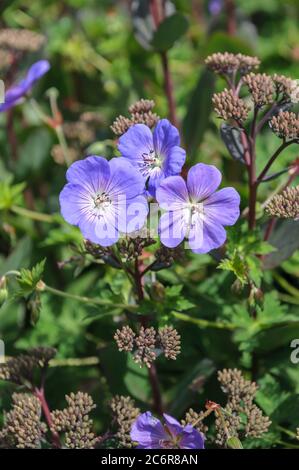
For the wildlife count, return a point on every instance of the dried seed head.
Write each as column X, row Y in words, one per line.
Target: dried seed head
column 238, row 389
column 287, row 88
column 145, row 344
column 21, row 40
column 196, row 420
column 229, row 106
column 228, row 426
column 75, row 422
column 133, row 245
column 247, row 63
column 257, row 424
column 142, row 106
column 227, row 63
column 121, row 125
column 140, row 113
column 285, row 205
column 20, row 369
column 261, row 87
column 285, row 125
column 170, row 342
column 22, row 428
column 125, row 413
column 125, row 339
column 240, row 395
column 222, row 63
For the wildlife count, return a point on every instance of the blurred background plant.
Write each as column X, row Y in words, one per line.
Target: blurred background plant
column 104, row 56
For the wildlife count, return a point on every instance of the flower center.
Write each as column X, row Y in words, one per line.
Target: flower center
column 173, row 442
column 101, row 202
column 197, row 210
column 150, row 161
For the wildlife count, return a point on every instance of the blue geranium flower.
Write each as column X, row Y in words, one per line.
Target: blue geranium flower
column 16, row 92
column 196, row 210
column 150, row 433
column 156, row 155
column 104, row 198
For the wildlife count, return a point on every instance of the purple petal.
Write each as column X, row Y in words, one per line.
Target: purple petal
column 165, row 137
column 173, row 425
column 93, row 172
column 223, row 206
column 202, row 181
column 148, row 431
column 36, row 71
column 174, row 161
column 213, row 236
column 138, row 140
column 73, row 202
column 16, row 92
column 173, row 227
column 99, row 230
column 132, row 214
column 172, row 193
column 192, row 439
column 155, row 179
column 125, row 181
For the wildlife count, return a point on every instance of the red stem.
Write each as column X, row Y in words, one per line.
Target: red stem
column 158, row 13
column 168, row 86
column 40, row 394
column 231, row 17
column 152, row 371
column 272, row 159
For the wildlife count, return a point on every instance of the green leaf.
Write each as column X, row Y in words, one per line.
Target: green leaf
column 199, row 108
column 237, row 265
column 234, row 443
column 270, row 395
column 169, row 31
column 10, row 194
column 29, row 279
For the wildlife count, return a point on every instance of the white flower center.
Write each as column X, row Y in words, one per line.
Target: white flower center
column 196, row 211
column 101, row 203
column 151, row 161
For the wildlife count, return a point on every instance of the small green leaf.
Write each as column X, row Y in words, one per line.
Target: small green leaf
column 237, row 265
column 169, row 31
column 29, row 279
column 10, row 194
column 234, row 443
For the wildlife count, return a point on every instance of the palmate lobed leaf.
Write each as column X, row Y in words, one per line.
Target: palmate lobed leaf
column 29, row 278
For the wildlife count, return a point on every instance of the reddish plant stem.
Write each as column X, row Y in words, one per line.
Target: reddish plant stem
column 272, row 159
column 269, row 229
column 40, row 394
column 231, row 24
column 152, row 371
column 158, row 13
column 168, row 86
